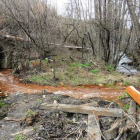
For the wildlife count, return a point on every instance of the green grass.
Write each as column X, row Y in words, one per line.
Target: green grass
column 124, row 95
column 2, row 104
column 30, row 112
column 81, row 65
column 95, row 71
column 76, row 73
column 19, row 137
column 39, row 101
column 126, row 106
column 110, row 68
column 126, row 83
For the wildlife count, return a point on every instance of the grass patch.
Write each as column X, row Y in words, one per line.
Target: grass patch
column 95, row 71
column 30, row 112
column 19, row 137
column 2, row 104
column 39, row 101
column 76, row 73
column 81, row 65
column 126, row 106
column 110, row 68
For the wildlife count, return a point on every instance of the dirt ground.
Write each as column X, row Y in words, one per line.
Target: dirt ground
column 23, row 118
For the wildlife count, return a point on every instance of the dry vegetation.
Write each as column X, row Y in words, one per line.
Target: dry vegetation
column 62, row 70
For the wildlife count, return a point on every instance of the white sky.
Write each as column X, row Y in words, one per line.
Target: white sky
column 59, row 4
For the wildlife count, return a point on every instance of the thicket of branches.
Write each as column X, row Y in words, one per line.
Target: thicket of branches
column 107, row 26
column 32, row 20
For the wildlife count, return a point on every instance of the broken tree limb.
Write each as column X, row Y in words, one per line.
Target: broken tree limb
column 13, row 119
column 112, row 132
column 131, row 113
column 131, row 120
column 120, row 134
column 93, row 129
column 83, row 109
column 24, row 132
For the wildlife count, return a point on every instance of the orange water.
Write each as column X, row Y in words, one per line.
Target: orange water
column 9, row 83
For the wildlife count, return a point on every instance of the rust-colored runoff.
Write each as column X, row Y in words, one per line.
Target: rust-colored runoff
column 9, row 83
column 134, row 93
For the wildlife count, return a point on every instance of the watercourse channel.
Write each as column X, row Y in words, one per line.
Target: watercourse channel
column 9, row 84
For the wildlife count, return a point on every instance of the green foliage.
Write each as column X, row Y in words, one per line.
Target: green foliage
column 120, row 97
column 126, row 106
column 109, row 85
column 30, row 112
column 137, row 106
column 123, row 95
column 36, row 78
column 82, row 65
column 95, row 71
column 19, row 137
column 110, row 68
column 126, row 83
column 39, row 101
column 46, row 60
column 39, row 79
column 68, row 62
column 2, row 104
column 117, row 74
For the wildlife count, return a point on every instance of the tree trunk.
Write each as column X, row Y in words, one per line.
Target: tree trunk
column 134, row 20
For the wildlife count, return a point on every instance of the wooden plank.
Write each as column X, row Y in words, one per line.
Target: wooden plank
column 93, row 128
column 83, row 109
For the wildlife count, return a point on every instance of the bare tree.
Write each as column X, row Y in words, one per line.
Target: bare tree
column 104, row 28
column 132, row 9
column 35, row 21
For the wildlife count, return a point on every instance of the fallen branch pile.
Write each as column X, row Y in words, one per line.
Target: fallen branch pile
column 123, row 123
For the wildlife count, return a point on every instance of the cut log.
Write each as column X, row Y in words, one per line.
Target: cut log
column 93, row 128
column 83, row 109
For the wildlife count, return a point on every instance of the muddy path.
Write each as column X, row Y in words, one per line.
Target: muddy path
column 9, row 83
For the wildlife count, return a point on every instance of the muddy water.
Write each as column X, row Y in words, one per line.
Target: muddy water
column 9, row 83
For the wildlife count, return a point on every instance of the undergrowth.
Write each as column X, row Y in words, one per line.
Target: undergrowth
column 68, row 72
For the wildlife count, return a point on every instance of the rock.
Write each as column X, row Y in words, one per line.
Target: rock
column 44, row 96
column 124, row 65
column 8, row 101
column 41, row 129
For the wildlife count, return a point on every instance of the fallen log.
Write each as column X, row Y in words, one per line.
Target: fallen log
column 83, row 109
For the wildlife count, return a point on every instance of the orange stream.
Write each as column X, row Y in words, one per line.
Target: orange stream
column 9, row 83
